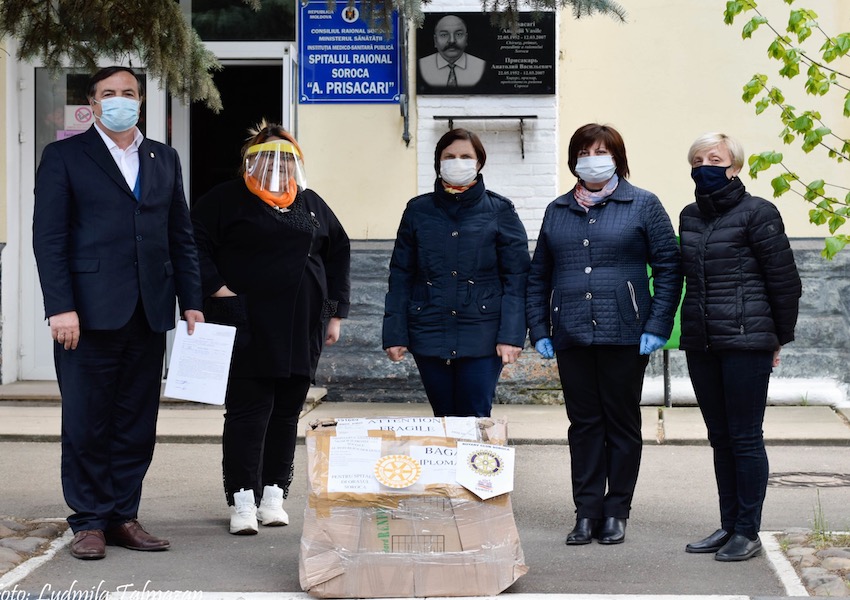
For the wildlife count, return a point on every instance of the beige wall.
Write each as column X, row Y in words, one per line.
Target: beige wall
column 675, row 71
column 356, row 160
column 671, row 73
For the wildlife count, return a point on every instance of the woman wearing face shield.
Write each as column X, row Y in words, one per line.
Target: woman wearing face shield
column 274, row 264
column 741, row 301
column 457, row 283
column 590, row 306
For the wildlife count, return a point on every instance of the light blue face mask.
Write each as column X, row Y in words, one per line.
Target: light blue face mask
column 119, row 114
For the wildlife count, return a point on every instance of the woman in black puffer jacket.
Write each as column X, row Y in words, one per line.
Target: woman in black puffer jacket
column 741, row 301
column 456, row 295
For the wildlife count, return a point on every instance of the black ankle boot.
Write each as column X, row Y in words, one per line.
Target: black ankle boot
column 739, row 547
column 613, row 531
column 583, row 532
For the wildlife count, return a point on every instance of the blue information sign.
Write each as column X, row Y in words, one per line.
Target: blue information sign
column 345, row 60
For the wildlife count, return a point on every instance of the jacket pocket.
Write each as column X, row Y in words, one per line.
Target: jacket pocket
column 555, row 310
column 228, row 310
column 628, row 305
column 739, row 309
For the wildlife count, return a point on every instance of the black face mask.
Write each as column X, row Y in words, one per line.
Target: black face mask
column 709, row 178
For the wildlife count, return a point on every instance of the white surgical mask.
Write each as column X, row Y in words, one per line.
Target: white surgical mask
column 458, row 171
column 119, row 114
column 595, row 169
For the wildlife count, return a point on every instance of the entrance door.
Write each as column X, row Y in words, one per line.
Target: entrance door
column 249, row 92
column 53, row 107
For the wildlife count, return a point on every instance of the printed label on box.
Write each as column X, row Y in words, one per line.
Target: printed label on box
column 485, row 470
column 351, row 465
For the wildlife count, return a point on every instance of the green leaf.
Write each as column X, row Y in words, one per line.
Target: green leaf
column 795, row 18
column 802, row 123
column 733, row 9
column 836, row 222
column 763, row 161
column 828, row 51
column 842, row 43
column 847, row 105
column 780, row 186
column 811, row 140
column 754, row 87
column 814, row 190
column 752, row 25
column 817, row 216
column 776, row 96
column 762, row 105
column 834, row 245
column 788, row 137
column 791, row 68
column 776, row 50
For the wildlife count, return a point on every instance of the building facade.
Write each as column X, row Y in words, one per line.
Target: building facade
column 671, row 73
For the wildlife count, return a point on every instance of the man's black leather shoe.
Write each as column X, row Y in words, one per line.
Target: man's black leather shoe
column 613, row 531
column 583, row 532
column 712, row 543
column 740, row 547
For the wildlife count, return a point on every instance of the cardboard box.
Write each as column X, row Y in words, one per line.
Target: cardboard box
column 426, row 539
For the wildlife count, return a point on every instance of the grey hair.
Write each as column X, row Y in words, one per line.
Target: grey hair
column 709, row 140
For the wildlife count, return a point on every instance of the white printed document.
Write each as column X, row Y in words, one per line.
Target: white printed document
column 200, row 363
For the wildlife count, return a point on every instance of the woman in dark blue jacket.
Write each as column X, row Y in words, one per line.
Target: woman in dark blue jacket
column 457, row 283
column 590, row 304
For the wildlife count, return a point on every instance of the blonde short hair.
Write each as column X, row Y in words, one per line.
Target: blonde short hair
column 709, row 140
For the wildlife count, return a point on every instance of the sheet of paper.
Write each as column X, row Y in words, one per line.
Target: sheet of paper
column 200, row 363
column 485, row 470
column 405, row 426
column 439, row 464
column 351, row 464
column 462, row 428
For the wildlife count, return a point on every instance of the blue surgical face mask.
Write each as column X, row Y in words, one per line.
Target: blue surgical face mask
column 119, row 114
column 709, row 178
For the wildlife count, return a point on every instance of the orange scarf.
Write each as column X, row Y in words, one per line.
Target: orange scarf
column 458, row 189
column 273, row 199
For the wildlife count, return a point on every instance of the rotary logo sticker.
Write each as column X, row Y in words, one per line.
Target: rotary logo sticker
column 485, row 463
column 397, row 471
column 486, row 470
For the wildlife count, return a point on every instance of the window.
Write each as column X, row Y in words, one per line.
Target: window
column 233, row 20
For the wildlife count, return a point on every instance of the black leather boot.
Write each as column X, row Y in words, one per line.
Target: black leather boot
column 613, row 531
column 739, row 547
column 583, row 532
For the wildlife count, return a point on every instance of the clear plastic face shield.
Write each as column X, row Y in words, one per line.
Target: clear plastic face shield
column 274, row 172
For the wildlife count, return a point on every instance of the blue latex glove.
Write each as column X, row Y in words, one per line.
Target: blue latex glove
column 544, row 348
column 649, row 343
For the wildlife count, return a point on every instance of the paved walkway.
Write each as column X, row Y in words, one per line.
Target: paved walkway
column 673, row 461
column 30, row 411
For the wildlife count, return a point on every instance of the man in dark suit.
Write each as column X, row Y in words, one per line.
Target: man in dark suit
column 113, row 244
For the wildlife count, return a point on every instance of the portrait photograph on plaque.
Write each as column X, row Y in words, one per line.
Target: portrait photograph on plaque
column 465, row 53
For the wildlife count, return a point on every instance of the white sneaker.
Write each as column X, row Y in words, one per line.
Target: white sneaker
column 271, row 513
column 243, row 513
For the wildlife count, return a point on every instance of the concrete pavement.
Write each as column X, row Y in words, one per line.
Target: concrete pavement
column 30, row 411
column 675, row 502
